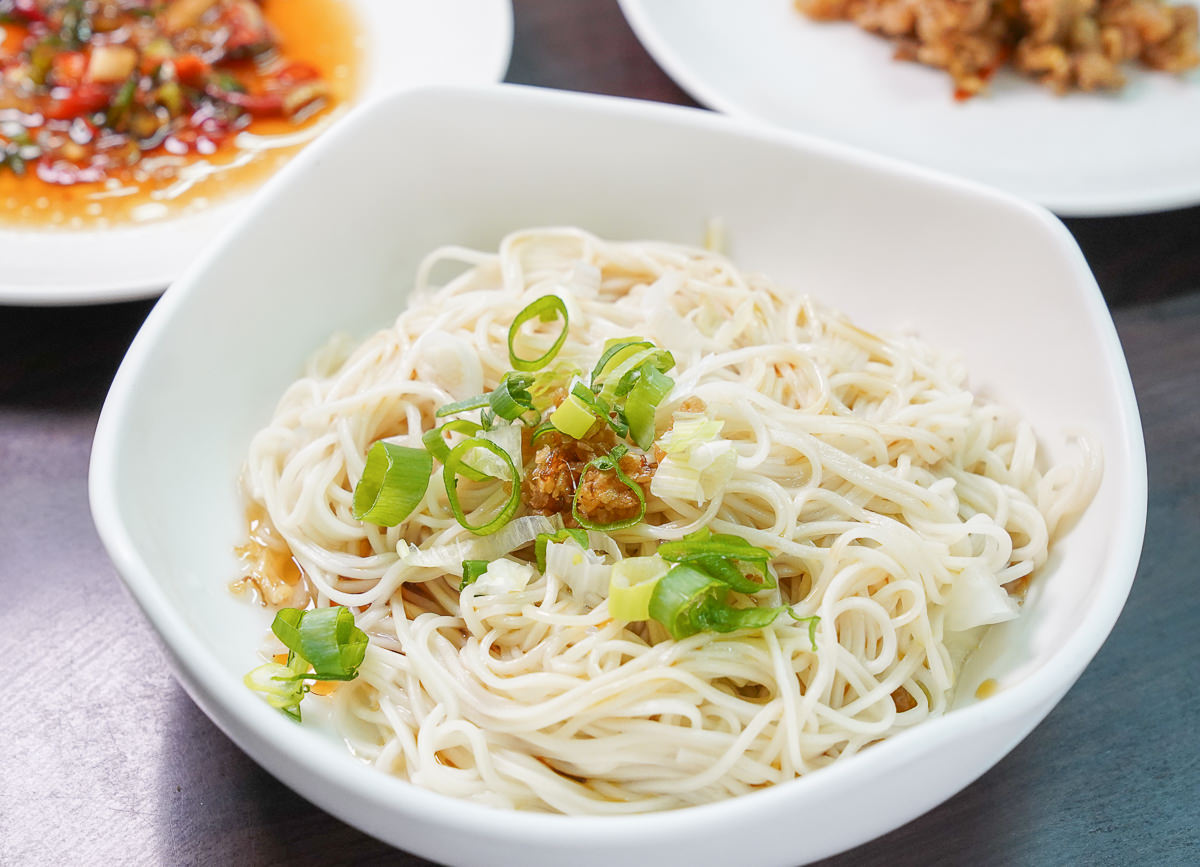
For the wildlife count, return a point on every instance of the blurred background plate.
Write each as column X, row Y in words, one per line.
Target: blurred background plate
column 403, row 44
column 1080, row 155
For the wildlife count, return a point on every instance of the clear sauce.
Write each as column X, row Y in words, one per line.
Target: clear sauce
column 320, row 32
column 265, row 562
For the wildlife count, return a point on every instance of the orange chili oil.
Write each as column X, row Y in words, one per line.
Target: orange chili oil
column 153, row 108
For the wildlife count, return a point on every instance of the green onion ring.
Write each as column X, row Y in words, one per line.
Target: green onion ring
column 642, row 402
column 624, row 348
column 326, row 638
column 511, row 398
column 437, row 446
column 392, row 484
column 454, row 466
column 477, row 402
column 547, row 308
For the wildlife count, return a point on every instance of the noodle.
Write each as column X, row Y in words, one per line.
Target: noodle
column 892, row 501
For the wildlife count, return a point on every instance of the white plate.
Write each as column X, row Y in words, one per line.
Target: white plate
column 1080, row 155
column 331, row 244
column 405, row 44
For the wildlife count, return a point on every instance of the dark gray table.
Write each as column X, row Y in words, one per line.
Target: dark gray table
column 105, row 760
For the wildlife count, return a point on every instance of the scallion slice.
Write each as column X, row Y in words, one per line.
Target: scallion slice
column 392, row 484
column 620, row 378
column 472, row 569
column 615, row 351
column 631, row 585
column 437, row 446
column 455, row 465
column 543, row 539
column 479, row 401
column 714, row 553
column 541, row 430
column 601, row 409
column 278, row 686
column 643, row 400
column 326, row 638
column 606, row 463
column 547, row 308
column 511, row 399
column 687, row 600
column 573, row 417
column 812, row 622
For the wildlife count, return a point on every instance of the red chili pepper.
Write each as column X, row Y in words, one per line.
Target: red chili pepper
column 296, row 72
column 66, row 103
column 30, row 11
column 245, row 26
column 69, row 67
column 191, row 69
column 257, row 104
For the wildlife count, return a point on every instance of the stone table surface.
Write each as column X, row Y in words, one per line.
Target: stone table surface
column 105, row 760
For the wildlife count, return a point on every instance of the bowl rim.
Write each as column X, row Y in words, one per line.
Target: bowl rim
column 287, row 750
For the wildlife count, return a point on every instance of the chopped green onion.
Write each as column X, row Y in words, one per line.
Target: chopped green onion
column 325, row 638
column 228, row 82
column 479, row 401
column 437, row 446
column 472, row 569
column 631, row 585
column 278, row 686
column 170, row 96
column 511, row 398
column 687, row 601
column 615, row 351
column 606, row 463
column 573, row 417
column 41, row 58
column 456, row 465
column 543, row 539
column 649, row 390
column 600, row 408
column 122, row 102
column 812, row 626
column 549, row 380
column 620, row 378
column 540, row 431
column 392, row 484
column 547, row 308
column 713, row 552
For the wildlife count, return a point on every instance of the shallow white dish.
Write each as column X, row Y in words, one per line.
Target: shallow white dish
column 330, row 244
column 405, row 45
column 1079, row 155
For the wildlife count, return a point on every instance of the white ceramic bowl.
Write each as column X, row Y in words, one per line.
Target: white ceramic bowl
column 332, row 242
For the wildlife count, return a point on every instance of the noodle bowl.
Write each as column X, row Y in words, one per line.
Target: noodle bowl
column 901, row 510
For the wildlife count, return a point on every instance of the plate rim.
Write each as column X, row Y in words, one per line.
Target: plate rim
column 68, row 294
column 683, row 74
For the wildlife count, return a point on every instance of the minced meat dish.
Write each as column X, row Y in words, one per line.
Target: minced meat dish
column 1064, row 44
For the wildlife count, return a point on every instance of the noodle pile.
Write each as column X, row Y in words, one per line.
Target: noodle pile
column 896, row 506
